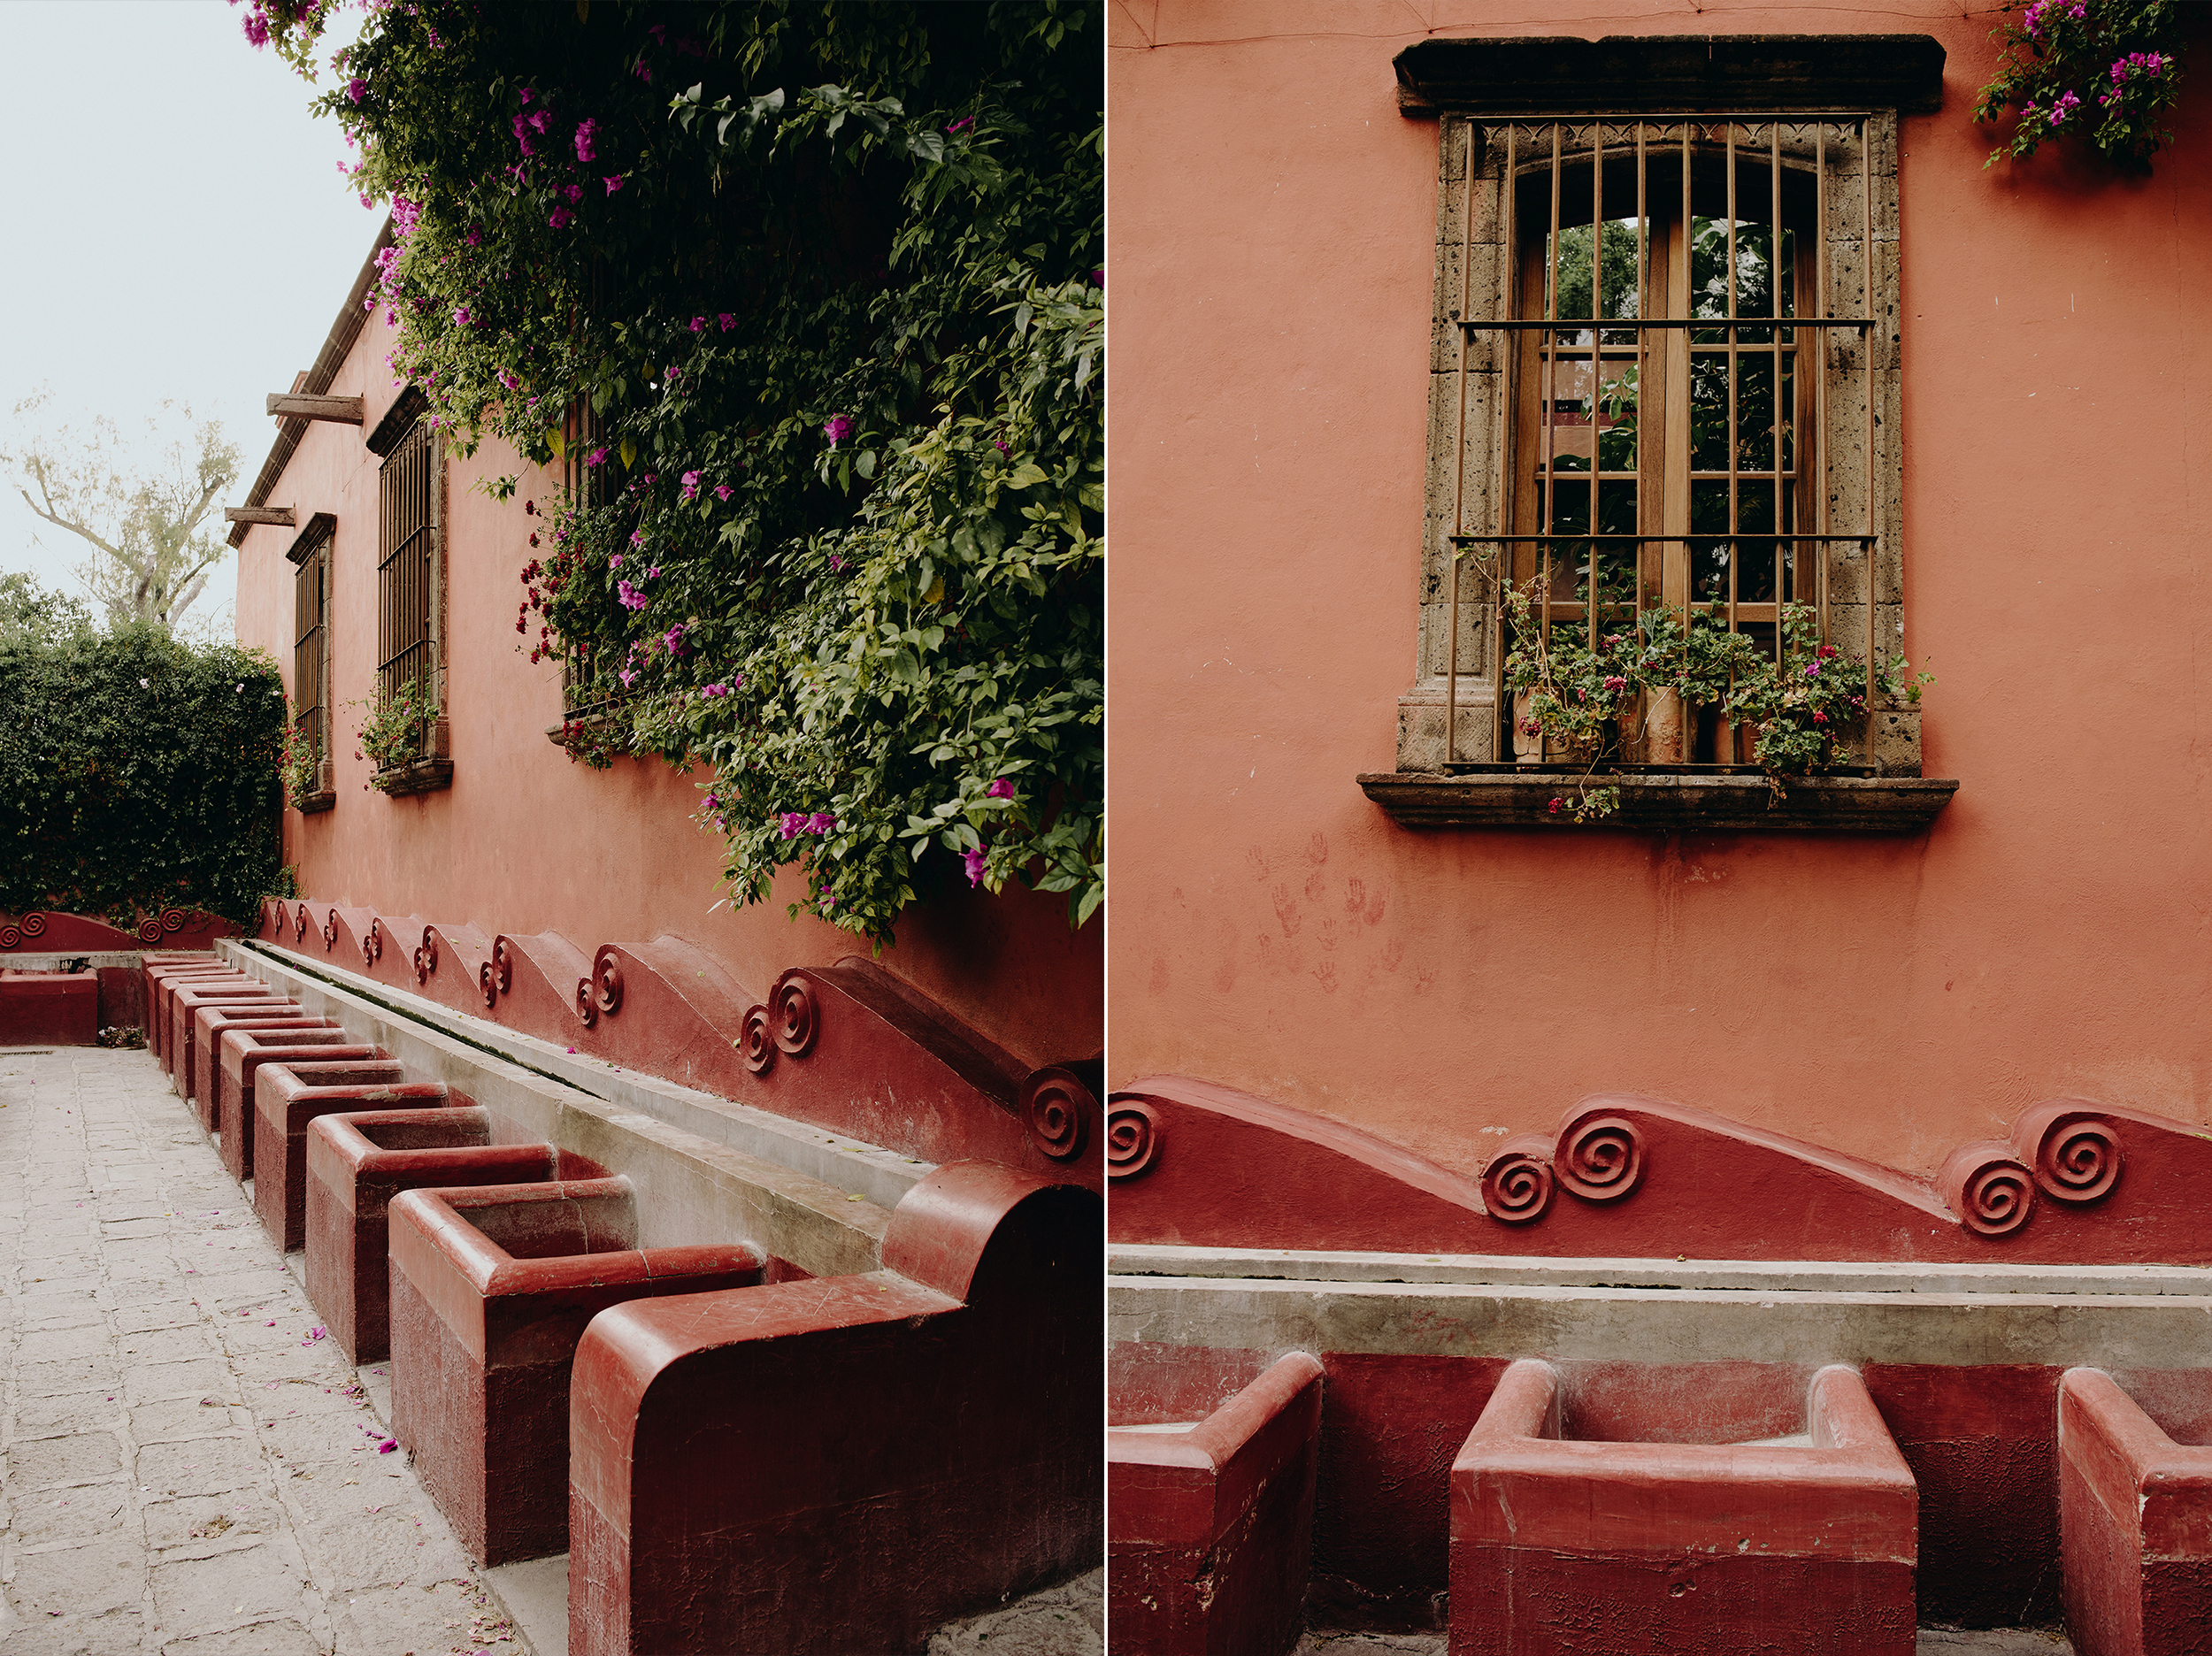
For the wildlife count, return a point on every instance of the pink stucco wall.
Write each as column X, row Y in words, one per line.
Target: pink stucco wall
column 1271, row 234
column 526, row 841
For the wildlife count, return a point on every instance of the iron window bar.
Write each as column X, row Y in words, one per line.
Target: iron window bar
column 1696, row 131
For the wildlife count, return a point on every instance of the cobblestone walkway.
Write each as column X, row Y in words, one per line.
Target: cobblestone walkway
column 189, row 1468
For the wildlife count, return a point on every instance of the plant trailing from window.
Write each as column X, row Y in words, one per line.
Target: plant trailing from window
column 827, row 277
column 1583, row 700
column 2108, row 70
column 301, row 768
column 137, row 773
column 394, row 725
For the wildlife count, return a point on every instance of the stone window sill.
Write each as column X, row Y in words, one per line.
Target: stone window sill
column 425, row 776
column 321, row 801
column 1738, row 802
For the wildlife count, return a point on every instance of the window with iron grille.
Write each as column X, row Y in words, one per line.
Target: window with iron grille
column 309, row 555
column 407, row 566
column 1664, row 375
column 583, row 434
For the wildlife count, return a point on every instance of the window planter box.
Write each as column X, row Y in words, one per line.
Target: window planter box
column 433, row 770
column 1510, row 796
column 326, row 793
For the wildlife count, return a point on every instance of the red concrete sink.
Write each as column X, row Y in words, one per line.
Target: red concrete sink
column 2135, row 1512
column 491, row 1290
column 1570, row 1535
column 202, row 1081
column 184, row 999
column 287, row 1097
column 239, row 1059
column 1210, row 1522
column 162, row 980
column 50, row 1010
column 356, row 1164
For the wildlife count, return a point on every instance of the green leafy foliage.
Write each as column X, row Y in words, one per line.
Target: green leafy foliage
column 137, row 772
column 1586, row 702
column 300, row 767
column 808, row 294
column 2108, row 70
column 393, row 726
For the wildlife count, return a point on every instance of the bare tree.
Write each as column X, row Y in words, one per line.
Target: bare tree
column 152, row 553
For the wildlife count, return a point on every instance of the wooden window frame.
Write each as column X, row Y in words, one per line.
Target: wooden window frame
column 410, row 583
column 1500, row 105
column 309, row 555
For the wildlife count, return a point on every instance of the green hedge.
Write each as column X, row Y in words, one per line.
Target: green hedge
column 137, row 773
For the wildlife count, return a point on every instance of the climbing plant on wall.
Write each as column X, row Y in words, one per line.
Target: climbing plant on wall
column 137, row 773
column 2107, row 71
column 810, row 298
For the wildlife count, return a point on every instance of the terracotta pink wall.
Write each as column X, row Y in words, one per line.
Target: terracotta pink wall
column 1271, row 226
column 526, row 841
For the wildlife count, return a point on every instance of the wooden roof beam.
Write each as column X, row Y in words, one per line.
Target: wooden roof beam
column 347, row 410
column 280, row 515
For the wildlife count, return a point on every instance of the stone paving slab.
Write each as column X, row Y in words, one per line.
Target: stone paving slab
column 186, row 1468
column 1932, row 1641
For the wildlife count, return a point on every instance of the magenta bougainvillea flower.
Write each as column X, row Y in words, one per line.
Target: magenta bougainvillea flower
column 357, row 89
column 838, row 429
column 974, row 860
column 1000, row 789
column 585, row 135
column 614, row 184
column 558, row 218
column 722, row 491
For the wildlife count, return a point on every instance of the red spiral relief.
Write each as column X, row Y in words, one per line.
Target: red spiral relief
column 2077, row 1160
column 372, row 946
column 174, row 919
column 301, row 922
column 503, row 965
column 150, row 929
column 1056, row 1111
column 1988, row 1187
column 488, row 986
column 34, row 925
column 606, row 976
column 1600, row 1158
column 586, row 1003
column 1517, row 1186
column 1132, row 1139
column 330, row 933
column 276, row 916
column 798, row 1020
column 10, row 936
column 430, row 948
column 756, row 1041
column 422, row 967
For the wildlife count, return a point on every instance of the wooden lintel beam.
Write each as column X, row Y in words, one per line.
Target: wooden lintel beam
column 280, row 516
column 346, row 410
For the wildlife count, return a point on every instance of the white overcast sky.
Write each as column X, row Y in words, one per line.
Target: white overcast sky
column 175, row 228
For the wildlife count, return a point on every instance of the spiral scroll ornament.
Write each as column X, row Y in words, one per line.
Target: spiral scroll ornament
column 606, row 976
column 1994, row 1197
column 430, row 948
column 150, row 929
column 301, row 920
column 1600, row 1158
column 1517, row 1186
column 756, row 1041
column 488, row 986
column 503, row 965
column 422, row 967
column 2077, row 1160
column 34, row 925
column 372, row 945
column 1133, row 1139
column 586, row 1003
column 1056, row 1109
column 10, row 936
column 797, row 1021
column 330, row 932
column 174, row 919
